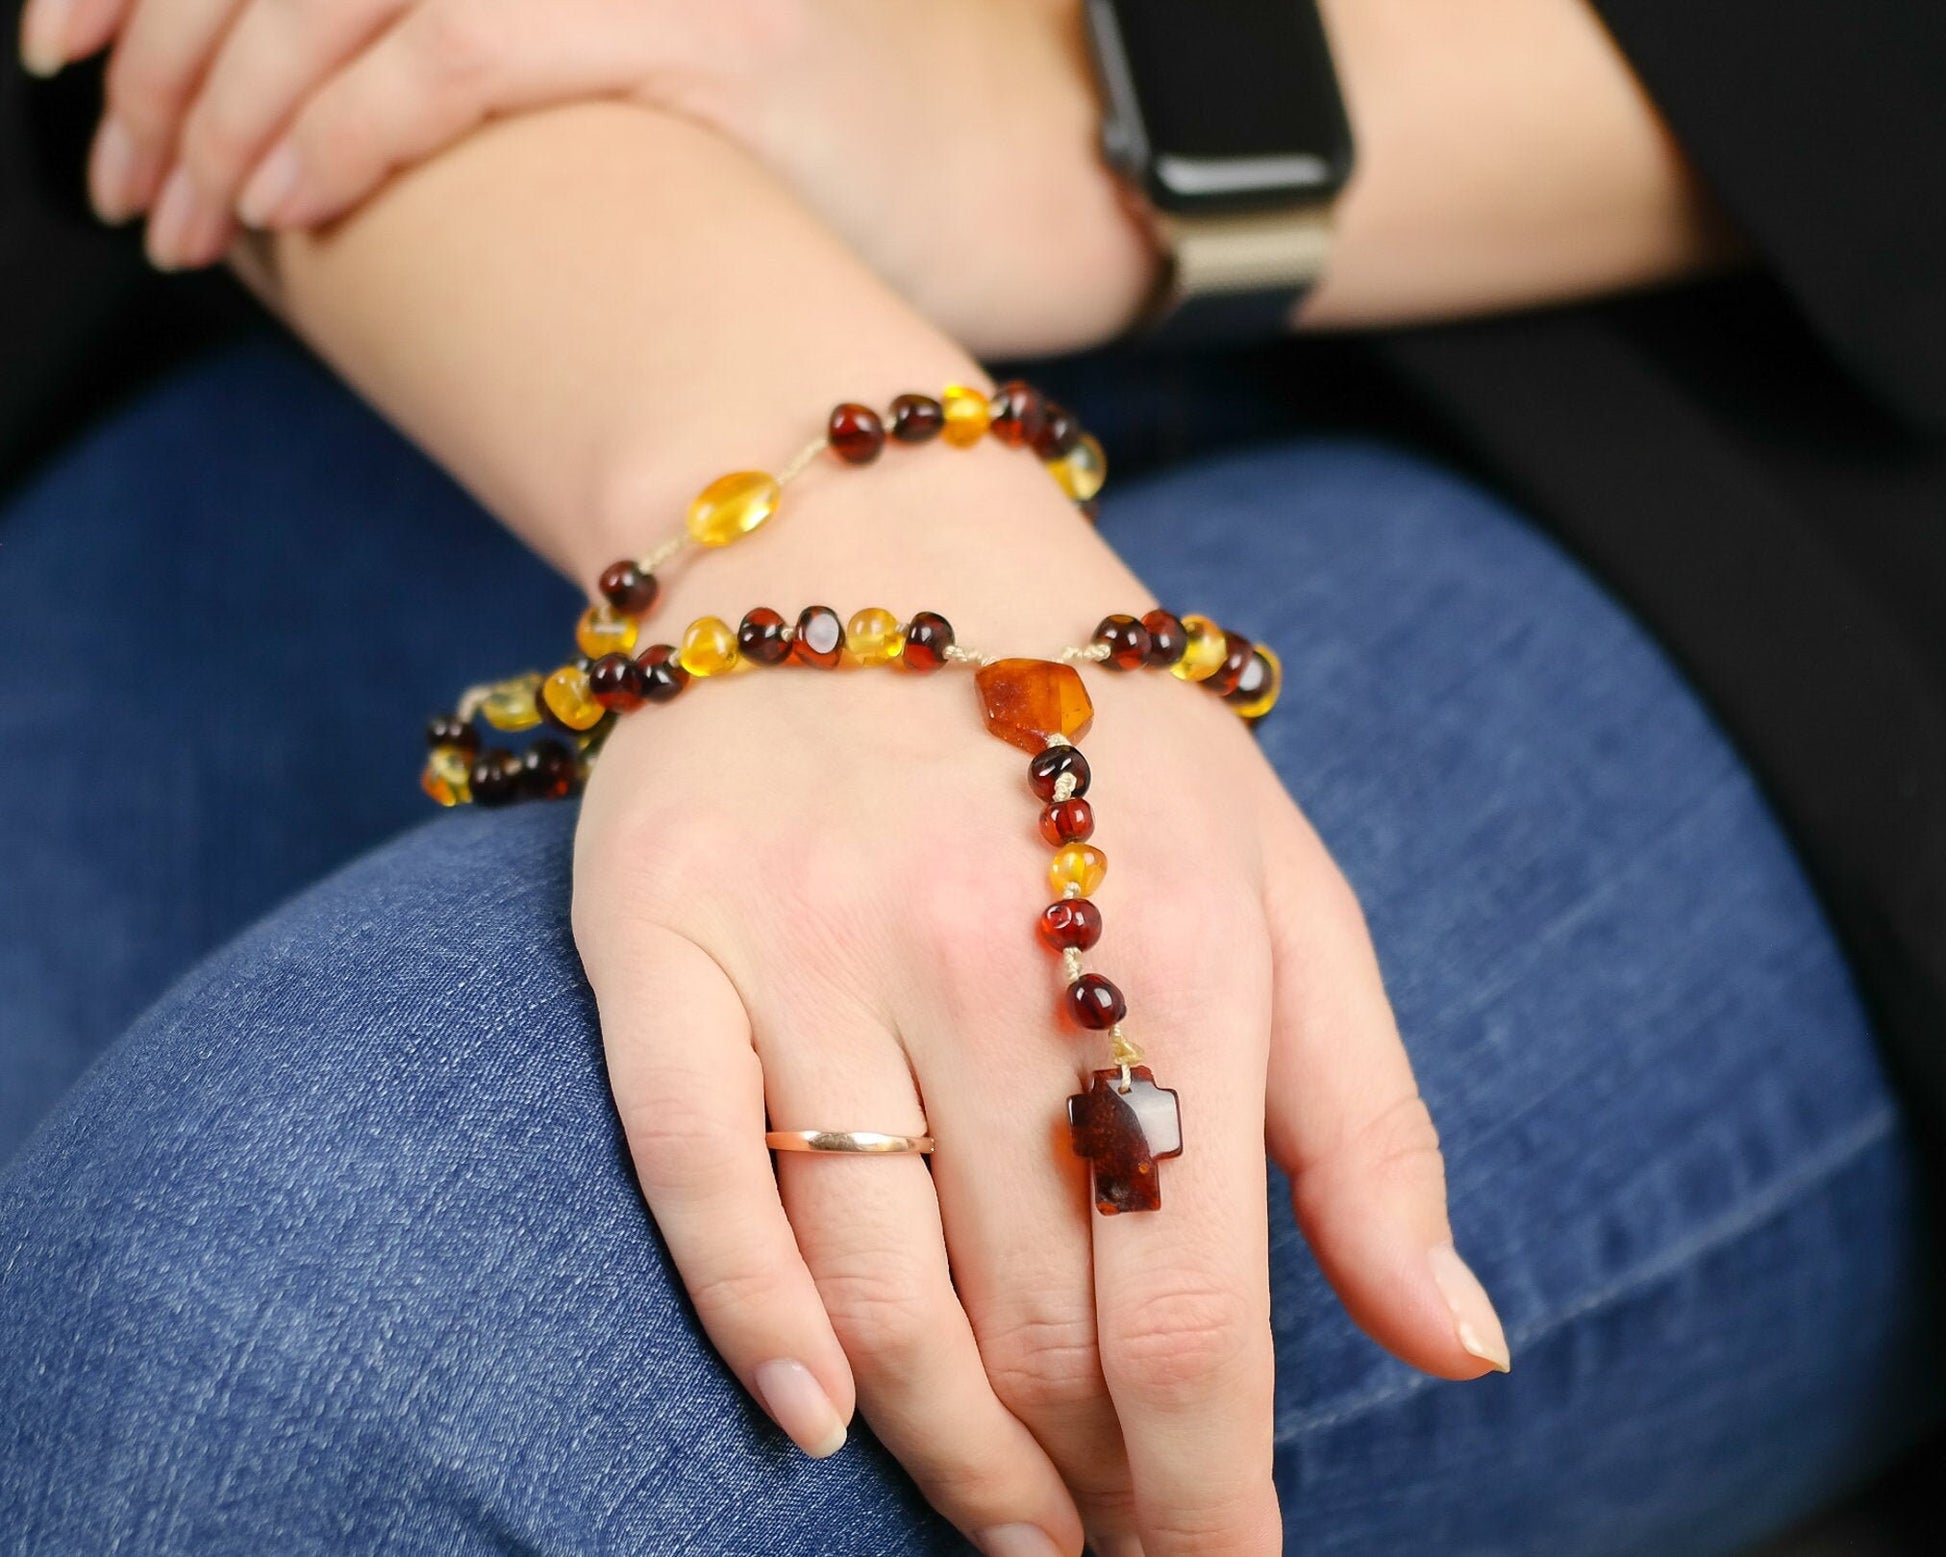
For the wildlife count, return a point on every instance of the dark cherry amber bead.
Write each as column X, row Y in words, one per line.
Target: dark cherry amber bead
column 1058, row 432
column 1095, row 1003
column 1126, row 640
column 927, row 638
column 615, row 682
column 451, row 730
column 917, row 418
column 1072, row 922
column 495, row 778
column 855, row 433
column 662, row 673
column 548, row 770
column 1068, row 821
column 1019, row 413
column 1089, row 509
column 627, row 588
column 760, row 637
column 820, row 638
column 1045, row 769
column 1167, row 638
column 1238, row 652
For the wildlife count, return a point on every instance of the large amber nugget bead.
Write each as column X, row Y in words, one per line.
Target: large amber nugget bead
column 448, row 775
column 604, row 630
column 1034, row 704
column 509, row 705
column 1204, row 647
column 1079, row 865
column 968, row 415
column 570, row 699
column 1256, row 692
column 709, row 647
column 1083, row 470
column 874, row 636
column 730, row 507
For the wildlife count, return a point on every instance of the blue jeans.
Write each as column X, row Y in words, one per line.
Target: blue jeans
column 336, row 1247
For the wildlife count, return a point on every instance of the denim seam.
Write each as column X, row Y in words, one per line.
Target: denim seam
column 1833, row 1159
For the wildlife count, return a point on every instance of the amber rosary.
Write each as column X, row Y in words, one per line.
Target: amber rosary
column 1124, row 1123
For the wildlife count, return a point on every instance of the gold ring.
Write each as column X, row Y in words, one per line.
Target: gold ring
column 845, row 1141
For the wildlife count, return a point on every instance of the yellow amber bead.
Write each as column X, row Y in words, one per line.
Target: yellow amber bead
column 1078, row 865
column 1203, row 656
column 709, row 647
column 509, row 705
column 569, row 699
column 1083, row 470
column 873, row 637
column 968, row 415
column 448, row 776
column 604, row 630
column 1266, row 699
column 732, row 506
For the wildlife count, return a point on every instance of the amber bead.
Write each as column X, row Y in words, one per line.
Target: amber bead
column 1090, row 510
column 917, row 418
column 1019, row 413
column 1071, row 924
column 761, row 638
column 1057, row 433
column 662, row 673
column 451, row 730
column 709, row 647
column 873, row 637
column 1095, row 1002
column 567, row 701
column 615, row 681
column 1045, row 771
column 855, row 433
column 448, row 775
column 1124, row 1134
column 1068, row 821
column 1238, row 651
column 495, row 777
column 1256, row 690
column 604, row 630
column 1204, row 646
column 1167, row 638
column 1077, row 865
column 820, row 639
column 1126, row 640
column 967, row 415
column 732, row 506
column 627, row 588
column 1027, row 703
column 1083, row 470
column 927, row 638
column 548, row 770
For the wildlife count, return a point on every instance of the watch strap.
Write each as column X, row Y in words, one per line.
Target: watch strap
column 1235, row 277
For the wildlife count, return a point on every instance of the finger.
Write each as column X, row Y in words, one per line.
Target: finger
column 153, row 73
column 1346, row 1123
column 690, row 1094
column 870, row 1231
column 1182, row 1293
column 53, row 33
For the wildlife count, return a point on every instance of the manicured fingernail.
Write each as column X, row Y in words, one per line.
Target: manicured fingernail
column 1017, row 1541
column 269, row 187
column 799, row 1405
column 44, row 36
column 1474, row 1320
column 112, row 172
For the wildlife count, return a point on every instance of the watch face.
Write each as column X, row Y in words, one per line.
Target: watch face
column 1221, row 104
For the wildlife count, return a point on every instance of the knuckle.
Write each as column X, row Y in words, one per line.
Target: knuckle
column 1179, row 1342
column 215, row 146
column 143, row 93
column 675, row 1144
column 879, row 1312
column 1039, row 1366
column 733, row 1300
column 1399, row 1143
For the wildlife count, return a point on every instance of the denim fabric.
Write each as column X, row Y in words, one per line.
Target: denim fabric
column 337, row 1248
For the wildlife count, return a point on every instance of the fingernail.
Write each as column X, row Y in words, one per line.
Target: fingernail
column 269, row 187
column 799, row 1405
column 44, row 36
column 1016, row 1541
column 111, row 172
column 1474, row 1320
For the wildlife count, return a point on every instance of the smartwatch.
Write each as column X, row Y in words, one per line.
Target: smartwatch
column 1224, row 122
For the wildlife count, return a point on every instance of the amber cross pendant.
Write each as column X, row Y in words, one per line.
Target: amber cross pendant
column 1124, row 1134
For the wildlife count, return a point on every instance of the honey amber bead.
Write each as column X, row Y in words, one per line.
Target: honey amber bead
column 855, row 433
column 1257, row 689
column 548, row 770
column 709, row 647
column 1071, row 924
column 1057, row 433
column 967, row 415
column 1068, row 821
column 566, row 698
column 1028, row 703
column 1077, row 865
column 873, row 637
column 662, row 673
column 604, row 630
column 761, row 637
column 615, row 681
column 448, row 775
column 1167, row 638
column 1083, row 470
column 1204, row 646
column 730, row 507
column 509, row 705
column 1125, row 639
column 927, row 638
column 820, row 639
column 627, row 588
column 917, row 418
column 1095, row 1002
column 1046, row 770
column 451, row 730
column 1018, row 413
column 1238, row 651
column 494, row 778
